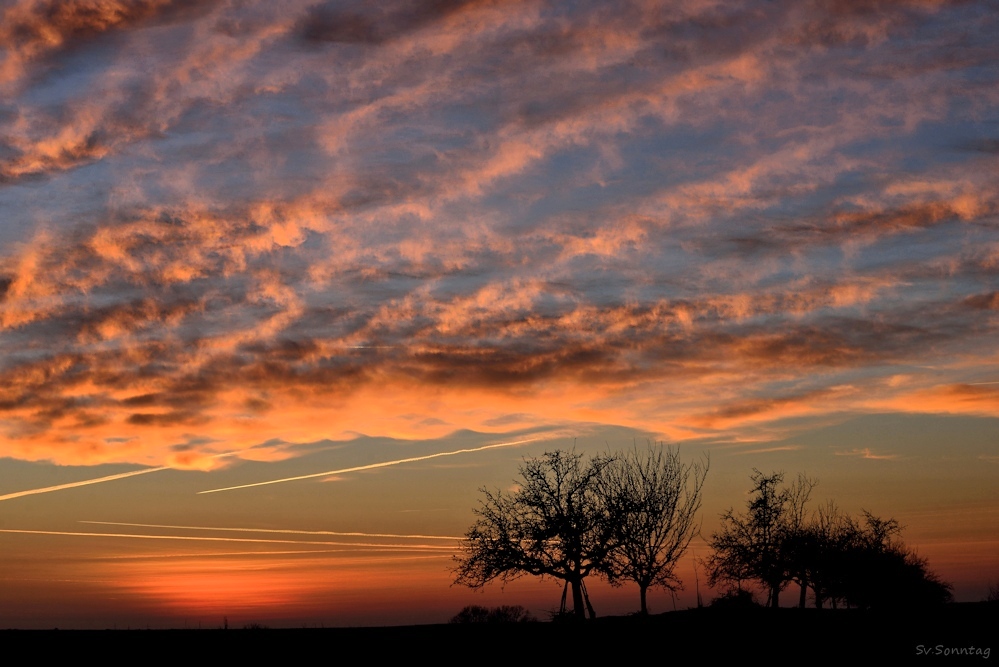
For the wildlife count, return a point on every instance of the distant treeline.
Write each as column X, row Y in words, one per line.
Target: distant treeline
column 843, row 560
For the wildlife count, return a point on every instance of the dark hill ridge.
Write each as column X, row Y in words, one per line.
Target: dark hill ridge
column 964, row 631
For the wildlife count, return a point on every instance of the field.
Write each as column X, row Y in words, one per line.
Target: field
column 788, row 636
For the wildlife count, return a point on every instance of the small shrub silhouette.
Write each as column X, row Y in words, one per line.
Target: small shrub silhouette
column 504, row 614
column 735, row 599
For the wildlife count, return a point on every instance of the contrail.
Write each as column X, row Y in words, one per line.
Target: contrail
column 370, row 466
column 285, row 552
column 274, row 530
column 71, row 485
column 98, row 480
column 223, row 554
column 192, row 538
column 368, row 559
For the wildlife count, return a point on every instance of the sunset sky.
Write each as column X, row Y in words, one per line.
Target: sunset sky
column 244, row 241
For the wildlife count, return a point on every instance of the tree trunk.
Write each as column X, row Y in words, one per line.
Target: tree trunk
column 586, row 599
column 578, row 610
column 774, row 597
column 804, row 591
column 642, row 591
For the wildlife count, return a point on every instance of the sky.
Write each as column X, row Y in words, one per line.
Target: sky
column 392, row 249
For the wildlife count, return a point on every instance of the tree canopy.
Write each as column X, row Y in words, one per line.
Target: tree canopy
column 652, row 499
column 861, row 563
column 628, row 517
column 755, row 545
column 865, row 564
column 555, row 525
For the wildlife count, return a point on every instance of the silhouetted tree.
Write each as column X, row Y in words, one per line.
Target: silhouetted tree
column 861, row 564
column 756, row 545
column 651, row 499
column 819, row 550
column 555, row 525
column 875, row 570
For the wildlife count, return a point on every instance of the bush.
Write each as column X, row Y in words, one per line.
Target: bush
column 474, row 613
column 735, row 599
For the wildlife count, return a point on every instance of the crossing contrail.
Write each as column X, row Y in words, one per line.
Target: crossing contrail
column 371, row 466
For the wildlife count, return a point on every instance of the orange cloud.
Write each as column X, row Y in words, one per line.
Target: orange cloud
column 306, row 223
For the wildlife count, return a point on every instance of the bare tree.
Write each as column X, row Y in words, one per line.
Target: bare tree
column 754, row 545
column 651, row 498
column 818, row 549
column 555, row 525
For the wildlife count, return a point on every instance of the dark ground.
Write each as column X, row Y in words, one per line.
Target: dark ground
column 955, row 633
